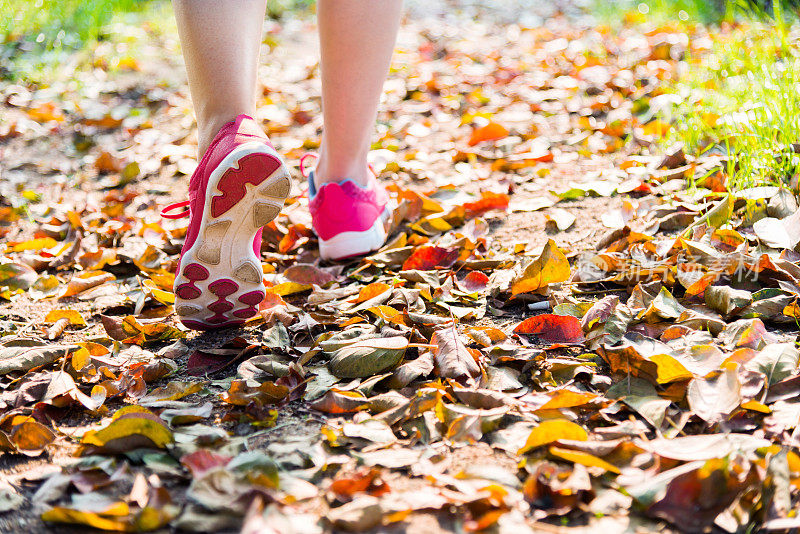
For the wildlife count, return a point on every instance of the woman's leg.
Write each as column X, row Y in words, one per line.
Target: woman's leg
column 221, row 40
column 357, row 38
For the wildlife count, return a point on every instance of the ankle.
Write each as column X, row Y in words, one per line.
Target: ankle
column 326, row 172
column 209, row 127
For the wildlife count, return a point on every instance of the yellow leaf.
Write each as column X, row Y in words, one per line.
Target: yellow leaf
column 371, row 291
column 124, row 428
column 431, row 226
column 550, row 267
column 792, row 310
column 549, row 431
column 74, row 219
column 716, row 216
column 289, row 288
column 710, row 119
column 61, row 514
column 33, row 244
column 163, row 281
column 491, row 132
column 756, row 406
column 657, row 128
column 95, row 349
column 125, row 410
column 720, row 213
column 583, row 458
column 565, row 398
column 80, row 358
column 75, row 318
column 669, row 369
column 164, row 297
column 131, row 427
column 388, row 314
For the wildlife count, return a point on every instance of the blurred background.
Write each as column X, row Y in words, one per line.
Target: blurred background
column 735, row 91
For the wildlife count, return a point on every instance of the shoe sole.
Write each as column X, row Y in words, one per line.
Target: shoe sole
column 221, row 280
column 353, row 244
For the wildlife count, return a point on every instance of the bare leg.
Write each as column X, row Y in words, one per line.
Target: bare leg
column 221, row 40
column 356, row 39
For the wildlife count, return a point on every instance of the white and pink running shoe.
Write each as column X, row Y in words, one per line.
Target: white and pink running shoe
column 349, row 220
column 239, row 186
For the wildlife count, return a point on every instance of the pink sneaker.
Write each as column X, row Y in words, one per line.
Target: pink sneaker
column 349, row 220
column 239, row 186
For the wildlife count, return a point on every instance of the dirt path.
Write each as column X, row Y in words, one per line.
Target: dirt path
column 402, row 392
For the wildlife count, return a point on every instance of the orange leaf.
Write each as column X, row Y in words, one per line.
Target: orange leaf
column 86, row 280
column 371, row 291
column 489, row 201
column 362, row 481
column 338, row 401
column 296, row 236
column 491, row 132
column 46, row 111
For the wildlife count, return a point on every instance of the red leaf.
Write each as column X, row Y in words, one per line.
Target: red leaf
column 303, row 273
column 489, row 201
column 201, row 460
column 474, row 282
column 205, row 362
column 552, row 328
column 428, row 257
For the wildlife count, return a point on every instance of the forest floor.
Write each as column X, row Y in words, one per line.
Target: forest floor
column 560, row 336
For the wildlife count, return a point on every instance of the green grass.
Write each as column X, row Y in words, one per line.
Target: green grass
column 658, row 11
column 55, row 23
column 702, row 11
column 39, row 36
column 71, row 22
column 743, row 99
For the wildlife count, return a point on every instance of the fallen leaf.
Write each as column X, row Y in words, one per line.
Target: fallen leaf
column 552, row 328
column 16, row 276
column 453, row 359
column 549, row 268
column 552, row 430
column 308, row 274
column 713, row 399
column 74, row 317
column 368, row 357
column 429, row 257
column 583, row 458
column 491, row 132
column 130, row 428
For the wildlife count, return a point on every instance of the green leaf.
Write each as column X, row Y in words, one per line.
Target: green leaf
column 368, row 357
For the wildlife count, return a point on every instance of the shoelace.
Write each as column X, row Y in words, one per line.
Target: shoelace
column 165, row 212
column 303, row 165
